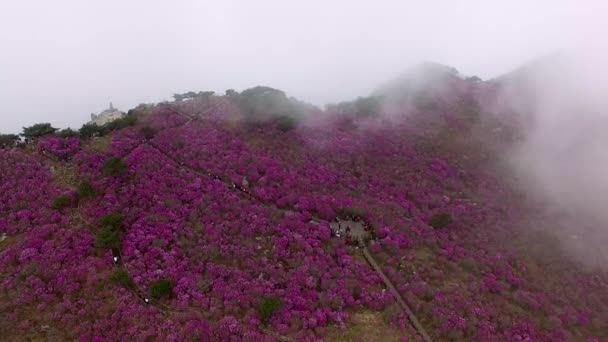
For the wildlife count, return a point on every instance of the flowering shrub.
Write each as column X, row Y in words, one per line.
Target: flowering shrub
column 238, row 236
column 61, row 147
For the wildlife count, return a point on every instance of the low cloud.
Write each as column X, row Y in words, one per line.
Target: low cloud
column 563, row 158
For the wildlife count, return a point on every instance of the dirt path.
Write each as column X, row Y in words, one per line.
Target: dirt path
column 395, row 293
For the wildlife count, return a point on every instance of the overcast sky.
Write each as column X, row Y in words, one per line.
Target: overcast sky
column 61, row 60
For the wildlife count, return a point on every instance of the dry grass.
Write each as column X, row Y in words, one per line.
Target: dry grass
column 64, row 175
column 99, row 144
column 366, row 325
column 423, row 253
column 9, row 241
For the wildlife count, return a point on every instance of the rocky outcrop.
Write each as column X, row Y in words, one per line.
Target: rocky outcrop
column 106, row 116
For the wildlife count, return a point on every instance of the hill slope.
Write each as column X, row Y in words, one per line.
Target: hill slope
column 198, row 222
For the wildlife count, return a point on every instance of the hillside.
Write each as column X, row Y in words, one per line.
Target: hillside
column 209, row 218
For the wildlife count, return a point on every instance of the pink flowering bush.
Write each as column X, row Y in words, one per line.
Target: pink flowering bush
column 217, row 217
column 61, row 147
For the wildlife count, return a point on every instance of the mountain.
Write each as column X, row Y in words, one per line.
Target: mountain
column 216, row 218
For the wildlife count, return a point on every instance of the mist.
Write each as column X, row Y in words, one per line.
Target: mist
column 65, row 59
column 562, row 160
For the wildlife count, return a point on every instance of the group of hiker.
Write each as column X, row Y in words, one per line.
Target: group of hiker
column 241, row 188
column 344, row 229
column 234, row 185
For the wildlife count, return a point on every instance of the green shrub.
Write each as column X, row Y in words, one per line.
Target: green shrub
column 124, row 122
column 161, row 288
column 108, row 237
column 85, row 189
column 60, row 202
column 122, row 277
column 67, row 132
column 8, row 139
column 268, row 306
column 428, row 296
column 114, row 166
column 440, row 220
column 90, row 129
column 112, row 220
column 286, row 122
column 368, row 106
column 38, row 130
column 148, row 132
column 160, row 243
column 259, row 103
column 232, row 95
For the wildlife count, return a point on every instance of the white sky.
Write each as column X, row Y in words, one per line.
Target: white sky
column 61, row 60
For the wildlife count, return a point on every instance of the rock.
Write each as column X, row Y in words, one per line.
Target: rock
column 106, row 116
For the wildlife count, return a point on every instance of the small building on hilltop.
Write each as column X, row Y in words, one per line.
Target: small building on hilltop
column 106, row 116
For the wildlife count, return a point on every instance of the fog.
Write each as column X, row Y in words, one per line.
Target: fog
column 62, row 60
column 563, row 158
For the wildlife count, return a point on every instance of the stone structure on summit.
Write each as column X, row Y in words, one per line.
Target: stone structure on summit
column 106, row 116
